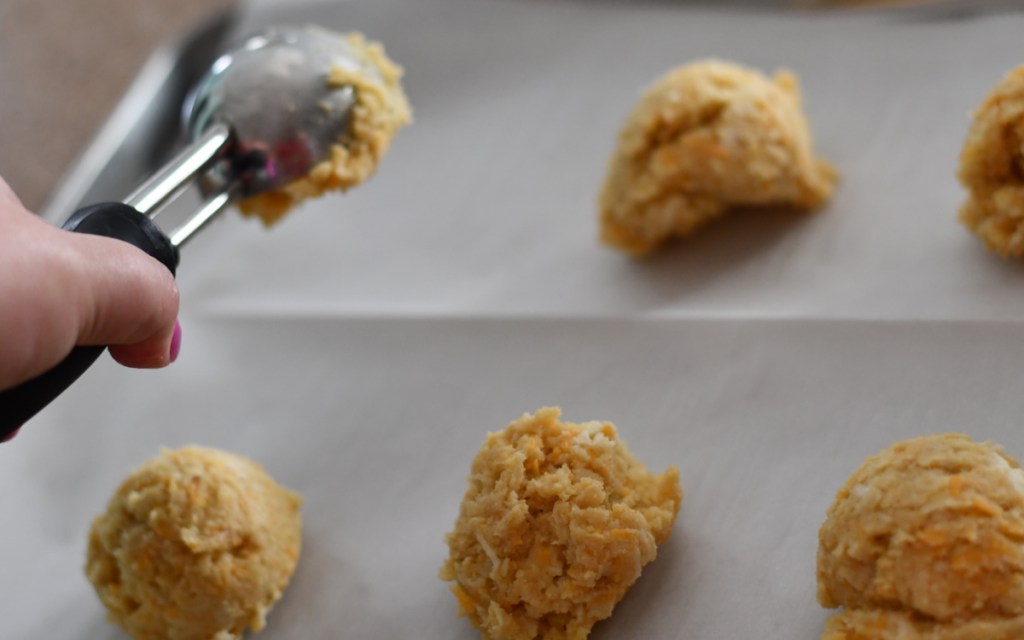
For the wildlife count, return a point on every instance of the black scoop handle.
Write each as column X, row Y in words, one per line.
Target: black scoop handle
column 113, row 220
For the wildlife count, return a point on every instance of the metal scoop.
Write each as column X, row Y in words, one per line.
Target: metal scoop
column 262, row 116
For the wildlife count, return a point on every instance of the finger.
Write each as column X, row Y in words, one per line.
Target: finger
column 7, row 195
column 158, row 351
column 124, row 298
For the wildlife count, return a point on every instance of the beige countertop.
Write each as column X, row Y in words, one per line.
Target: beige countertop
column 63, row 66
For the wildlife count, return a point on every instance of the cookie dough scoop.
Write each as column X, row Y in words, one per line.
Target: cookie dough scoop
column 281, row 109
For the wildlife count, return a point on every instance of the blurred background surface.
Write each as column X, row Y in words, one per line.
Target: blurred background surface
column 64, row 64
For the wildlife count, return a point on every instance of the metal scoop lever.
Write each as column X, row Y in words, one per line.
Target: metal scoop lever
column 163, row 186
column 263, row 116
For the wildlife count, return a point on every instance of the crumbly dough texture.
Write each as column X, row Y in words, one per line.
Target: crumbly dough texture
column 876, row 624
column 558, row 522
column 196, row 544
column 381, row 109
column 706, row 138
column 926, row 540
column 992, row 168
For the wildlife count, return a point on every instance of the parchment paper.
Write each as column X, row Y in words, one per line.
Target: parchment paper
column 362, row 349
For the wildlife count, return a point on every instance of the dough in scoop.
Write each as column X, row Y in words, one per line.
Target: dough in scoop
column 381, row 109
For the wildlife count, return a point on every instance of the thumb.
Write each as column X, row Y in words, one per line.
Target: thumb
column 124, row 299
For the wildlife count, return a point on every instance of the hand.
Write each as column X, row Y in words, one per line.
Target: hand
column 60, row 289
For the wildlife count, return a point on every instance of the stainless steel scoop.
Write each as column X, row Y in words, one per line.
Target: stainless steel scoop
column 263, row 116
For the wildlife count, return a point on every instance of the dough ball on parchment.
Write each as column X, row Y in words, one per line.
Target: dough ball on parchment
column 926, row 541
column 558, row 522
column 196, row 544
column 708, row 137
column 992, row 168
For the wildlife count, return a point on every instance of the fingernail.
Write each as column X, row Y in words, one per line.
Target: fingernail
column 10, row 436
column 176, row 341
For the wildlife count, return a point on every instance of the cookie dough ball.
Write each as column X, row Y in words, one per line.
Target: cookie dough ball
column 708, row 137
column 381, row 109
column 992, row 168
column 558, row 522
column 926, row 537
column 196, row 544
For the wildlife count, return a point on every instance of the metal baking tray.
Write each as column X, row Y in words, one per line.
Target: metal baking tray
column 362, row 348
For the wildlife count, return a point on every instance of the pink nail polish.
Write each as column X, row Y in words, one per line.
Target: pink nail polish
column 176, row 341
column 10, row 436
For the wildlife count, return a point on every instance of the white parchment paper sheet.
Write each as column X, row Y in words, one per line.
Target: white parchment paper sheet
column 375, row 422
column 488, row 203
column 362, row 350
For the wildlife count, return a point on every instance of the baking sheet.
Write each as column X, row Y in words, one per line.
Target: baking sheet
column 375, row 422
column 488, row 203
column 362, row 350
